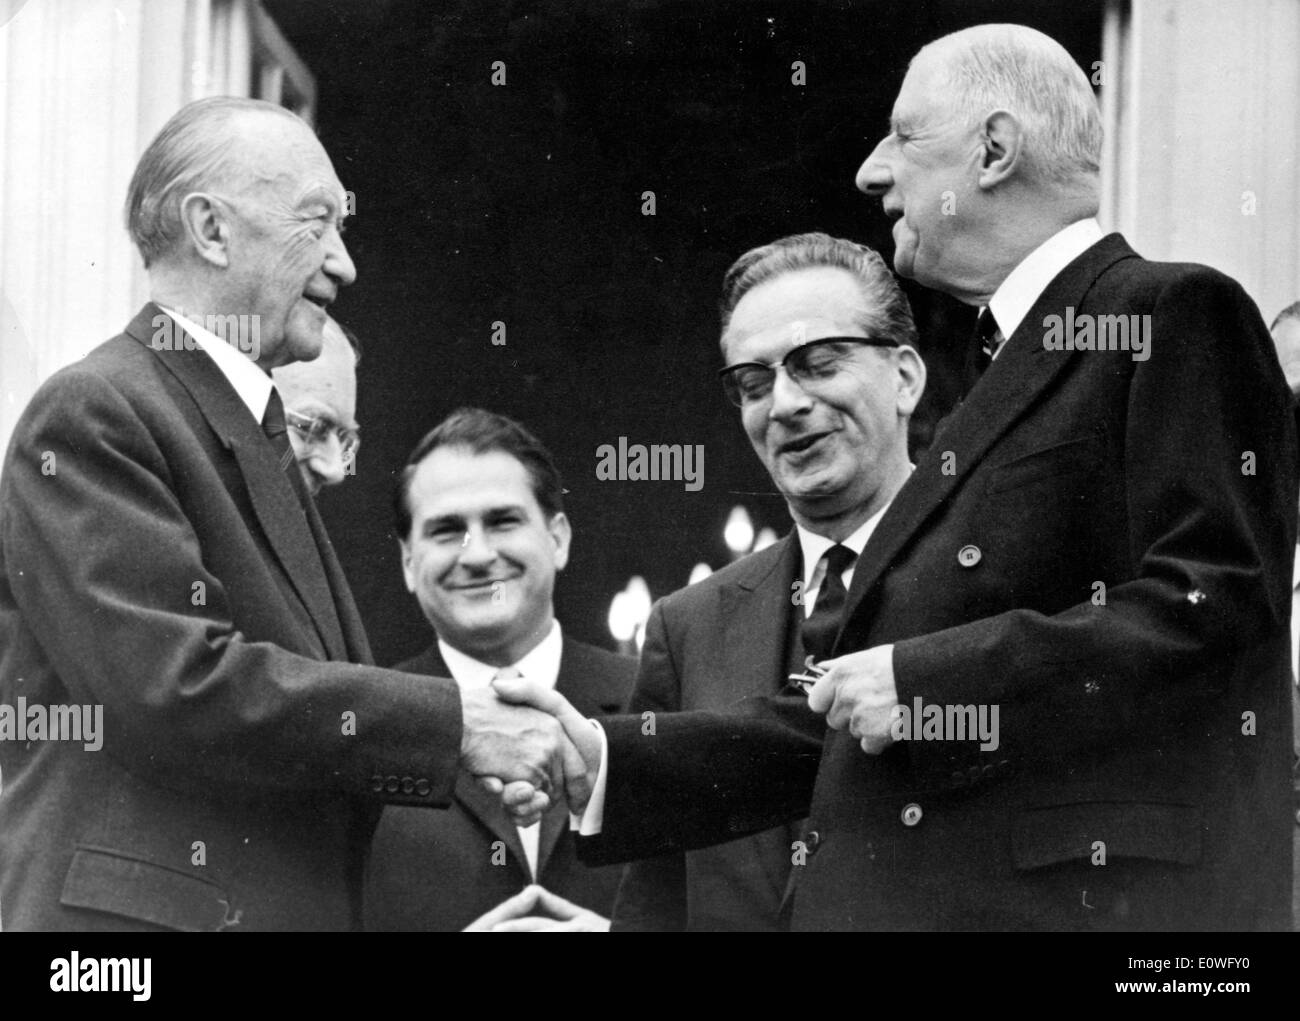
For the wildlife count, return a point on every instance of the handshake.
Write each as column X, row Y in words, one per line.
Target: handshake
column 526, row 743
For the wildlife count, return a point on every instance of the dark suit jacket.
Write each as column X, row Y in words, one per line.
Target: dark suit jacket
column 707, row 647
column 162, row 567
column 1145, row 725
column 438, row 871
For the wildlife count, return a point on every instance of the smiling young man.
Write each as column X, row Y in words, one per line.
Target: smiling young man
column 483, row 534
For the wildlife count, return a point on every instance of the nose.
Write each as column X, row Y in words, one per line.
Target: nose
column 874, row 176
column 338, row 264
column 789, row 399
column 325, row 461
column 477, row 551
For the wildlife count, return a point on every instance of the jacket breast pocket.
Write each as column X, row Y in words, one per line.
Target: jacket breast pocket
column 1076, row 457
column 1100, row 830
column 101, row 879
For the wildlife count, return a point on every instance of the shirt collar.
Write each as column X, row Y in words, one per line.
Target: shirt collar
column 541, row 663
column 1026, row 283
column 814, row 546
column 1295, row 569
column 251, row 384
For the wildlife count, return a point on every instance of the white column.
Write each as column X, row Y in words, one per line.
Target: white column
column 1201, row 102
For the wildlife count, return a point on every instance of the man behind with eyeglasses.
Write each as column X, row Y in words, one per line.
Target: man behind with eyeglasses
column 817, row 339
column 320, row 408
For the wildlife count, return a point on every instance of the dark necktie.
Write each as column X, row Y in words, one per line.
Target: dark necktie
column 820, row 628
column 277, row 431
column 988, row 339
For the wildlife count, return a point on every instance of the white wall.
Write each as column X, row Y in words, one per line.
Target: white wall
column 1202, row 107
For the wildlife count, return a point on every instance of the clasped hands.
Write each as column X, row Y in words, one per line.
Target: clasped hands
column 526, row 743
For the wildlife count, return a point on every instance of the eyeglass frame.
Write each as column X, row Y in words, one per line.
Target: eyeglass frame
column 727, row 374
column 315, row 429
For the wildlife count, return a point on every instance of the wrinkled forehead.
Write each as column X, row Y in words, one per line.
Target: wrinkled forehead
column 794, row 308
column 930, row 96
column 284, row 155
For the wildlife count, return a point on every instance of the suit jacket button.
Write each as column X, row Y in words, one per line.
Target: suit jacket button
column 422, row 787
column 812, row 838
column 408, row 784
column 377, row 783
column 911, row 814
column 958, row 778
column 969, row 556
column 392, row 785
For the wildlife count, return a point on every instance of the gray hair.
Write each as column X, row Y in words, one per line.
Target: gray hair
column 886, row 309
column 1031, row 75
column 190, row 153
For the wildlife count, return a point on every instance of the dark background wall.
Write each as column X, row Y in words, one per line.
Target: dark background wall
column 522, row 203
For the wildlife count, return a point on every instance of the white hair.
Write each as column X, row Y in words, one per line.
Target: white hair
column 1031, row 75
column 193, row 151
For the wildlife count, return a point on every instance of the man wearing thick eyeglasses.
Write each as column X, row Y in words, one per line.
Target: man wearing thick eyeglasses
column 817, row 343
column 320, row 407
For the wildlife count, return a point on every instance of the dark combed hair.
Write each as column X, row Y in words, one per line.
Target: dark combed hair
column 887, row 313
column 481, row 432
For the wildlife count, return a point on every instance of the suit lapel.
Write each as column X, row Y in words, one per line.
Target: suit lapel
column 761, row 595
column 1003, row 394
column 481, row 805
column 274, row 502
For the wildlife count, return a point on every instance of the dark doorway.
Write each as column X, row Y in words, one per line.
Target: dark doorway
column 523, row 203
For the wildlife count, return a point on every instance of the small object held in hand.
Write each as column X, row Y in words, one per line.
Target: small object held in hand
column 811, row 675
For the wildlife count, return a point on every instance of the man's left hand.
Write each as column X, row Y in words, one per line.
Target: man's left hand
column 858, row 691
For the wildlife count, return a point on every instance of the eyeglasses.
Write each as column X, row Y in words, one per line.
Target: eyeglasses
column 807, row 365
column 318, row 430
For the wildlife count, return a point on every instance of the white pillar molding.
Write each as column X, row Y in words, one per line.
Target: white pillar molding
column 1201, row 104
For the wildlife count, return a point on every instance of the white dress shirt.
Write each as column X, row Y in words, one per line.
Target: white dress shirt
column 1026, row 283
column 250, row 382
column 814, row 548
column 541, row 664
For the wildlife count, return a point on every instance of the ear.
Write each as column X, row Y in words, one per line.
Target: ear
column 206, row 228
column 561, row 535
column 408, row 568
column 911, row 379
column 1003, row 141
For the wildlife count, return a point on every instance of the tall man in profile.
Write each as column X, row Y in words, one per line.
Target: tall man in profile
column 819, row 343
column 161, row 558
column 483, row 533
column 1096, row 545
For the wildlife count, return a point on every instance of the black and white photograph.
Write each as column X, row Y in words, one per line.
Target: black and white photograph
column 650, row 466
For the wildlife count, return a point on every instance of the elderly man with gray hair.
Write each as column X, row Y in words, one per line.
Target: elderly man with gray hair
column 161, row 558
